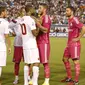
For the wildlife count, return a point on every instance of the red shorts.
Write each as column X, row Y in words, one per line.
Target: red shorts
column 44, row 52
column 18, row 54
column 72, row 51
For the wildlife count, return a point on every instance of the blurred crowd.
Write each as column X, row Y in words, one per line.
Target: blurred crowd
column 56, row 8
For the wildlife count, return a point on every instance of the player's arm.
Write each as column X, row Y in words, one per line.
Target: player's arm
column 12, row 32
column 81, row 34
column 7, row 38
column 38, row 23
column 34, row 30
column 12, row 25
column 41, row 28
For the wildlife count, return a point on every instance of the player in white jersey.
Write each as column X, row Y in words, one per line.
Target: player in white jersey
column 18, row 50
column 4, row 31
column 30, row 49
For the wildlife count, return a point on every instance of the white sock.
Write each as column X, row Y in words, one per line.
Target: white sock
column 16, row 78
column 0, row 71
column 26, row 69
column 29, row 78
column 46, row 80
column 35, row 75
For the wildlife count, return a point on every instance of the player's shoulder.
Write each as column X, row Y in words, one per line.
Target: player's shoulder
column 46, row 18
column 28, row 18
column 4, row 21
column 31, row 19
column 76, row 20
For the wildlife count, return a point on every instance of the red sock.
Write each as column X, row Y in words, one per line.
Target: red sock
column 77, row 70
column 47, row 70
column 68, row 69
column 16, row 68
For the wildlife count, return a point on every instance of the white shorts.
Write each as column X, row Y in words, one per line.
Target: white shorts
column 31, row 56
column 3, row 57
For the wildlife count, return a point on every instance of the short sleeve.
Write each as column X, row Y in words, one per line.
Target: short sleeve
column 77, row 23
column 32, row 24
column 6, row 29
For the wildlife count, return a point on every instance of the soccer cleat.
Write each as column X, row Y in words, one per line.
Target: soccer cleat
column 45, row 84
column 30, row 82
column 16, row 82
column 75, row 83
column 67, row 80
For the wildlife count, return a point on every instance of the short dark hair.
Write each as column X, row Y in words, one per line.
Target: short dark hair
column 2, row 9
column 28, row 7
column 44, row 5
column 72, row 8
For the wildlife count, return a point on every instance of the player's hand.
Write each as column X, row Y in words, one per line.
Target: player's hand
column 9, row 50
column 76, row 39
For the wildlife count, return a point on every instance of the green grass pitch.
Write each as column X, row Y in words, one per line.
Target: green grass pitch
column 56, row 65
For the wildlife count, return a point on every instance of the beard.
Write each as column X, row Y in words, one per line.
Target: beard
column 68, row 16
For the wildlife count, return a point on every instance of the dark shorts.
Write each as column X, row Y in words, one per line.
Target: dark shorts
column 18, row 54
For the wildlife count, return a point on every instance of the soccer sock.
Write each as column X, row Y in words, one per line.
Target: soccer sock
column 68, row 69
column 16, row 78
column 35, row 75
column 0, row 71
column 16, row 69
column 77, row 71
column 46, row 80
column 26, row 70
column 47, row 72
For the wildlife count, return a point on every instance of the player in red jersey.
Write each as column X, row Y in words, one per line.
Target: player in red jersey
column 43, row 41
column 73, row 47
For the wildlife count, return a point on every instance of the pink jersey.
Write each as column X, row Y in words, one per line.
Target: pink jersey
column 74, row 29
column 44, row 37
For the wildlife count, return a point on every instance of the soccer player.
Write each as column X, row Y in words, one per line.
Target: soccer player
column 4, row 36
column 73, row 47
column 43, row 41
column 30, row 49
column 18, row 49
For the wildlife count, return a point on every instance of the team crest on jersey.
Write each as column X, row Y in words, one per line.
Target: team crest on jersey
column 33, row 24
column 71, row 24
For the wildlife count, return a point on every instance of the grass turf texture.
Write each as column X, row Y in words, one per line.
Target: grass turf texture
column 56, row 65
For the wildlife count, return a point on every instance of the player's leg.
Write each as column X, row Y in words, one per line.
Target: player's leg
column 26, row 66
column 16, row 72
column 35, row 73
column 67, row 66
column 35, row 60
column 47, row 73
column 26, row 70
column 2, row 60
column 29, row 72
column 0, row 71
column 77, row 70
column 17, row 59
column 75, row 53
column 44, row 57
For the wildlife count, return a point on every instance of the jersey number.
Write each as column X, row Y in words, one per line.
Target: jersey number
column 23, row 28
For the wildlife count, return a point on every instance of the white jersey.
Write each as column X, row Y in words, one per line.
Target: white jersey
column 3, row 30
column 29, row 40
column 15, row 27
